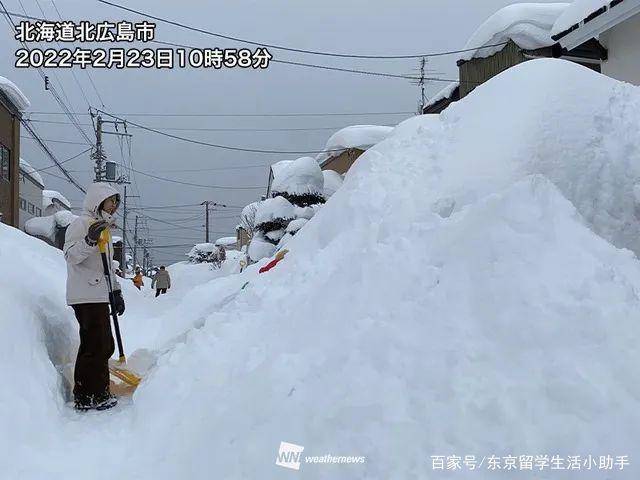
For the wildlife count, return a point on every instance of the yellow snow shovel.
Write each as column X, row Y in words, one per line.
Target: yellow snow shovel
column 116, row 368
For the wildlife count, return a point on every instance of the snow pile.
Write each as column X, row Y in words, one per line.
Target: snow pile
column 332, row 182
column 227, row 242
column 49, row 195
column 576, row 13
column 201, row 252
column 298, row 190
column 49, row 226
column 355, row 136
column 299, row 177
column 14, row 94
column 38, row 336
column 32, row 172
column 528, row 25
column 451, row 299
column 64, row 218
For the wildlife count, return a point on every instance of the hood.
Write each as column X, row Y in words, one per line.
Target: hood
column 96, row 194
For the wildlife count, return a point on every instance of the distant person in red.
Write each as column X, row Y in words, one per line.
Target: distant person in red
column 279, row 256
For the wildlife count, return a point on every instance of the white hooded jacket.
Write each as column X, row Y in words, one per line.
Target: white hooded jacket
column 86, row 282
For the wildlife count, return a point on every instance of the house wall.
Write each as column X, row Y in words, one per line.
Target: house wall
column 30, row 200
column 342, row 163
column 623, row 44
column 478, row 70
column 10, row 138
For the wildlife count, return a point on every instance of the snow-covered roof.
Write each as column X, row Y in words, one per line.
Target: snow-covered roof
column 14, row 94
column 227, row 242
column 49, row 195
column 592, row 17
column 273, row 208
column 446, row 92
column 299, row 177
column 29, row 170
column 355, row 136
column 528, row 25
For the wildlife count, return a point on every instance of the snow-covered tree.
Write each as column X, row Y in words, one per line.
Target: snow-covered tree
column 248, row 218
column 272, row 218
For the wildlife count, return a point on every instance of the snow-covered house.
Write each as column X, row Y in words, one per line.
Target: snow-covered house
column 53, row 201
column 515, row 34
column 30, row 193
column 12, row 104
column 616, row 24
column 346, row 145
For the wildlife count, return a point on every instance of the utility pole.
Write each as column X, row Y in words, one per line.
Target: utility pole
column 99, row 156
column 124, row 227
column 135, row 244
column 420, row 82
column 206, row 203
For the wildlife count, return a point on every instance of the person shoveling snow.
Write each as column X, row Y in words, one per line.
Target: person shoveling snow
column 88, row 293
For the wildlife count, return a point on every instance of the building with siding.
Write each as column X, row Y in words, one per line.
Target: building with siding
column 616, row 24
column 12, row 104
column 514, row 34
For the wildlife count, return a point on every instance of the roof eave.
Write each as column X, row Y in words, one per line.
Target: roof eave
column 580, row 33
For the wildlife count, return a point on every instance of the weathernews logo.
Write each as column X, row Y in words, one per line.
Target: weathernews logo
column 290, row 456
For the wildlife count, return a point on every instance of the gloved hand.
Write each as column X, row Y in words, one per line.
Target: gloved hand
column 117, row 301
column 95, row 229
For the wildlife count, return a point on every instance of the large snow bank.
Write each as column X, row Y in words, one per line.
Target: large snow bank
column 49, row 195
column 355, row 136
column 576, row 13
column 27, row 168
column 299, row 177
column 528, row 25
column 14, row 94
column 448, row 300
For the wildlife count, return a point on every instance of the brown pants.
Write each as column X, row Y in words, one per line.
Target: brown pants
column 96, row 347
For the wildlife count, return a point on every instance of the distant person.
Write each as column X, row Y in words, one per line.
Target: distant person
column 137, row 279
column 222, row 254
column 161, row 281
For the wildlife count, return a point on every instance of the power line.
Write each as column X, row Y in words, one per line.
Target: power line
column 195, row 184
column 64, row 161
column 52, row 90
column 301, row 114
column 48, row 152
column 216, row 145
column 289, row 49
column 55, row 141
column 197, row 129
column 313, row 65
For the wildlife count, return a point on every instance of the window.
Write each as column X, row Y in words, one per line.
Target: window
column 23, row 204
column 32, row 208
column 5, row 163
column 38, row 212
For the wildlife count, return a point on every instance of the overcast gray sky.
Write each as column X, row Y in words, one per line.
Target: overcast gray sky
column 360, row 27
